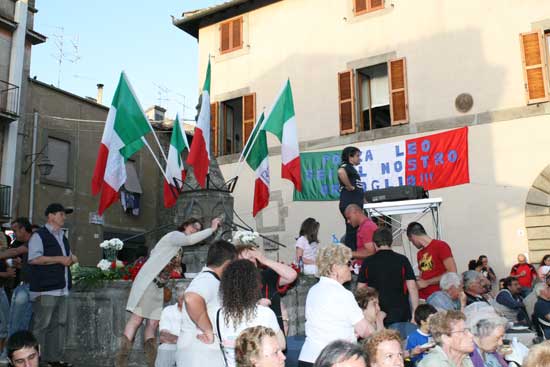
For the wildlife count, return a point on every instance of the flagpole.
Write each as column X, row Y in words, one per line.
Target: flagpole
column 149, row 122
column 155, row 158
column 267, row 116
column 240, row 163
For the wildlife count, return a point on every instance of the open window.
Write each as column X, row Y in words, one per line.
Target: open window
column 375, row 96
column 231, row 124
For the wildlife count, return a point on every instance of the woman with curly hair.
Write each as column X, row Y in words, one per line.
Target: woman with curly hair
column 384, row 349
column 258, row 347
column 240, row 292
column 332, row 312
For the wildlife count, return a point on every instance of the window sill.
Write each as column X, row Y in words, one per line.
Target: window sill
column 368, row 15
column 45, row 181
column 228, row 55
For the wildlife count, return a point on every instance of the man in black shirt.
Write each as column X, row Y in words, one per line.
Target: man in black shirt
column 391, row 274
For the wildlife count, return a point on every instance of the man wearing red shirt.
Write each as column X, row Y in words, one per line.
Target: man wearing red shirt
column 434, row 257
column 365, row 229
column 525, row 273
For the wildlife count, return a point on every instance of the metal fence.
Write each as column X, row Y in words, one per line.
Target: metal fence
column 9, row 98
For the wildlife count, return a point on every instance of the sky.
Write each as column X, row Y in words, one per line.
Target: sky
column 101, row 38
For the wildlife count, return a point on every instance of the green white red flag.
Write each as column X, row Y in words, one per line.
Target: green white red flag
column 175, row 171
column 257, row 158
column 281, row 122
column 199, row 155
column 125, row 127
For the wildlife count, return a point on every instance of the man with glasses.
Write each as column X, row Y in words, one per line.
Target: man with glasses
column 23, row 350
column 50, row 257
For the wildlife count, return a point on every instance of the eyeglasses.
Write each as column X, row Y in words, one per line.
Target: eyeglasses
column 465, row 331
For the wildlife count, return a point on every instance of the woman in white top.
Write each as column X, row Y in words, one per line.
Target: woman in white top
column 240, row 292
column 331, row 310
column 146, row 295
column 307, row 244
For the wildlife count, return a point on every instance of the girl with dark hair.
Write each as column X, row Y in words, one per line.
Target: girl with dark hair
column 351, row 190
column 544, row 267
column 307, row 244
column 240, row 292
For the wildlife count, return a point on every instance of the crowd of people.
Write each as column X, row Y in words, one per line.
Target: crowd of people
column 232, row 314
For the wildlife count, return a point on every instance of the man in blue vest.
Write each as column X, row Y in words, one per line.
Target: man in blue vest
column 50, row 258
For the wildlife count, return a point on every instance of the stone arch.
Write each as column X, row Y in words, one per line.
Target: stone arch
column 537, row 217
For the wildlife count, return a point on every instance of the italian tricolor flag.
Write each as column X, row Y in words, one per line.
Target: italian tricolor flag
column 124, row 129
column 258, row 160
column 199, row 155
column 281, row 122
column 175, row 172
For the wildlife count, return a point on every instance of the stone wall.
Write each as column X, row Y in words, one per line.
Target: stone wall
column 97, row 318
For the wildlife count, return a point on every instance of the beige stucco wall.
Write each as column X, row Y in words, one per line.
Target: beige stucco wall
column 451, row 47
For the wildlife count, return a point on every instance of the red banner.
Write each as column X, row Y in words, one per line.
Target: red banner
column 438, row 160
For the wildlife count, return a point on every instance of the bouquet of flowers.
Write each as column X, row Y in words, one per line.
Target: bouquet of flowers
column 107, row 269
column 245, row 238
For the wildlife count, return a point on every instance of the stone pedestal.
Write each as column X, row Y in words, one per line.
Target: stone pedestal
column 97, row 318
column 205, row 204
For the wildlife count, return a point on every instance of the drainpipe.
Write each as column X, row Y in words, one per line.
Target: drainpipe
column 33, row 165
column 17, row 58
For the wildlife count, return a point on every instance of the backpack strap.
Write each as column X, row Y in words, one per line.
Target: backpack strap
column 219, row 333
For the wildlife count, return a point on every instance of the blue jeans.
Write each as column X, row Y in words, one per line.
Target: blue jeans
column 4, row 314
column 20, row 310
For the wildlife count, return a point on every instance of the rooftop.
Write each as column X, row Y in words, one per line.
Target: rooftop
column 191, row 21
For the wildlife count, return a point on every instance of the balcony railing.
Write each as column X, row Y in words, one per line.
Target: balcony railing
column 5, row 201
column 9, row 98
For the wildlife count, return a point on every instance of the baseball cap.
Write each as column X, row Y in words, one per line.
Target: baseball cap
column 56, row 207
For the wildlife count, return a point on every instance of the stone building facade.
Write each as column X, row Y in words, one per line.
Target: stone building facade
column 17, row 36
column 456, row 66
column 68, row 130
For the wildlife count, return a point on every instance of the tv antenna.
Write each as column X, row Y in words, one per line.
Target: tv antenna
column 61, row 54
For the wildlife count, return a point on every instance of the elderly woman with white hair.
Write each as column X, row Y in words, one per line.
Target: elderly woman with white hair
column 488, row 329
column 451, row 296
column 454, row 341
column 332, row 312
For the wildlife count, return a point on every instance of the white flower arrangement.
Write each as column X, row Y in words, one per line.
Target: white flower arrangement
column 104, row 264
column 245, row 237
column 112, row 244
